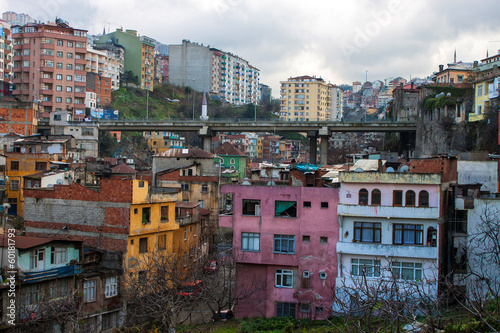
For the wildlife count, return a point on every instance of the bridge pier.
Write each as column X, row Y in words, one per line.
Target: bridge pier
column 313, row 145
column 206, row 136
column 324, row 135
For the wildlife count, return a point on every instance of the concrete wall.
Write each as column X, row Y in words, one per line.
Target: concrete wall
column 482, row 172
column 207, row 166
column 190, row 61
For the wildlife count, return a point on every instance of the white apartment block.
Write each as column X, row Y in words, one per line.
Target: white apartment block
column 107, row 63
column 5, row 58
column 222, row 74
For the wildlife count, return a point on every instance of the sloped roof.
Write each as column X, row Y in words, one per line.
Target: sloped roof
column 123, row 168
column 186, row 204
column 185, row 152
column 228, row 149
column 204, row 211
column 25, row 242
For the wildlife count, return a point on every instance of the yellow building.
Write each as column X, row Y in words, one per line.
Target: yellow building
column 159, row 142
column 152, row 224
column 19, row 165
column 260, row 148
column 306, row 98
column 486, row 86
column 455, row 73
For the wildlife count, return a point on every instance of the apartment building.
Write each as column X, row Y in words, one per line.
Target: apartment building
column 284, row 243
column 102, row 86
column 5, row 58
column 49, row 66
column 229, row 77
column 308, row 98
column 486, row 85
column 389, row 224
column 107, row 61
column 139, row 54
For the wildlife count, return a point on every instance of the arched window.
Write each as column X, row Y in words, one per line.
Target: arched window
column 410, row 198
column 376, row 197
column 363, row 196
column 423, row 199
column 232, row 161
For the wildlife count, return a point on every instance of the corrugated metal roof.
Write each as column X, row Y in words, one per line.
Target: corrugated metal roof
column 185, row 152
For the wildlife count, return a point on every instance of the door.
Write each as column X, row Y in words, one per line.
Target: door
column 41, row 259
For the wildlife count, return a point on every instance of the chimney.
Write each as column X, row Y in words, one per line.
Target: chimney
column 475, row 64
column 441, row 68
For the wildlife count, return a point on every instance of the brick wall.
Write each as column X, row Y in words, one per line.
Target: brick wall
column 447, row 167
column 19, row 121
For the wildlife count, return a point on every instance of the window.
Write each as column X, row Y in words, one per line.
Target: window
column 58, row 88
column 30, row 294
column 58, row 289
column 204, row 188
column 376, row 197
column 397, row 198
column 410, row 198
column 306, row 239
column 143, row 245
column 58, row 76
column 59, row 54
column 14, row 165
column 59, row 255
column 322, row 275
column 304, row 308
column 285, row 309
column 480, row 90
column 232, row 161
column 69, row 55
column 324, row 204
column 367, row 232
column 70, row 44
column 408, row 234
column 146, row 215
column 285, row 209
column 363, row 196
column 407, row 270
column 60, row 42
column 185, row 187
column 69, row 78
column 283, row 278
column 33, row 259
column 307, row 204
column 89, row 290
column 58, row 100
column 86, row 130
column 90, row 132
column 59, row 65
column 251, row 207
column 69, row 89
column 423, row 199
column 164, row 213
column 185, row 234
column 162, row 242
column 14, row 185
column 111, row 286
column 69, row 100
column 365, row 267
column 250, row 241
column 109, row 320
column 284, row 244
column 69, row 66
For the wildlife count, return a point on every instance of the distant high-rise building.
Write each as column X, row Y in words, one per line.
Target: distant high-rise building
column 265, row 93
column 220, row 73
column 139, row 54
column 49, row 66
column 5, row 59
column 106, row 60
column 16, row 19
column 308, row 98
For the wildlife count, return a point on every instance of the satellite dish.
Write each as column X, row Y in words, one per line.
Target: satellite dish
column 59, row 182
column 246, row 182
column 403, row 168
column 359, row 170
column 389, row 169
column 50, row 185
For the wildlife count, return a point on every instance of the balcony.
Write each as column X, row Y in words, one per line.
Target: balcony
column 389, row 211
column 79, row 94
column 226, row 221
column 388, row 250
column 18, row 80
column 80, row 84
column 46, row 69
column 47, row 92
column 43, row 79
column 45, row 57
column 47, row 103
column 81, row 61
column 47, row 46
column 30, row 277
column 17, row 69
column 79, row 105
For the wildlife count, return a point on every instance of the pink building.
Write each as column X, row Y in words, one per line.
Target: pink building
column 284, row 241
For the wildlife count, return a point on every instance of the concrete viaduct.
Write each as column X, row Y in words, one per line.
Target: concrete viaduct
column 207, row 129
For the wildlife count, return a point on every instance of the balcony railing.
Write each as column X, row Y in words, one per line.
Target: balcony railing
column 30, row 277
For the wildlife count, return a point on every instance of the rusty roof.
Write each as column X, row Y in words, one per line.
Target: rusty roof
column 228, row 149
column 27, row 242
column 123, row 169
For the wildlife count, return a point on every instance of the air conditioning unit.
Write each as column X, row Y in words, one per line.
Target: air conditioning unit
column 322, row 275
column 305, row 274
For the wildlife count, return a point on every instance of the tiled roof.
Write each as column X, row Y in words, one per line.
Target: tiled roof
column 228, row 149
column 123, row 168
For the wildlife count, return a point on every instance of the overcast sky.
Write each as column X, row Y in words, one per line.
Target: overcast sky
column 337, row 40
